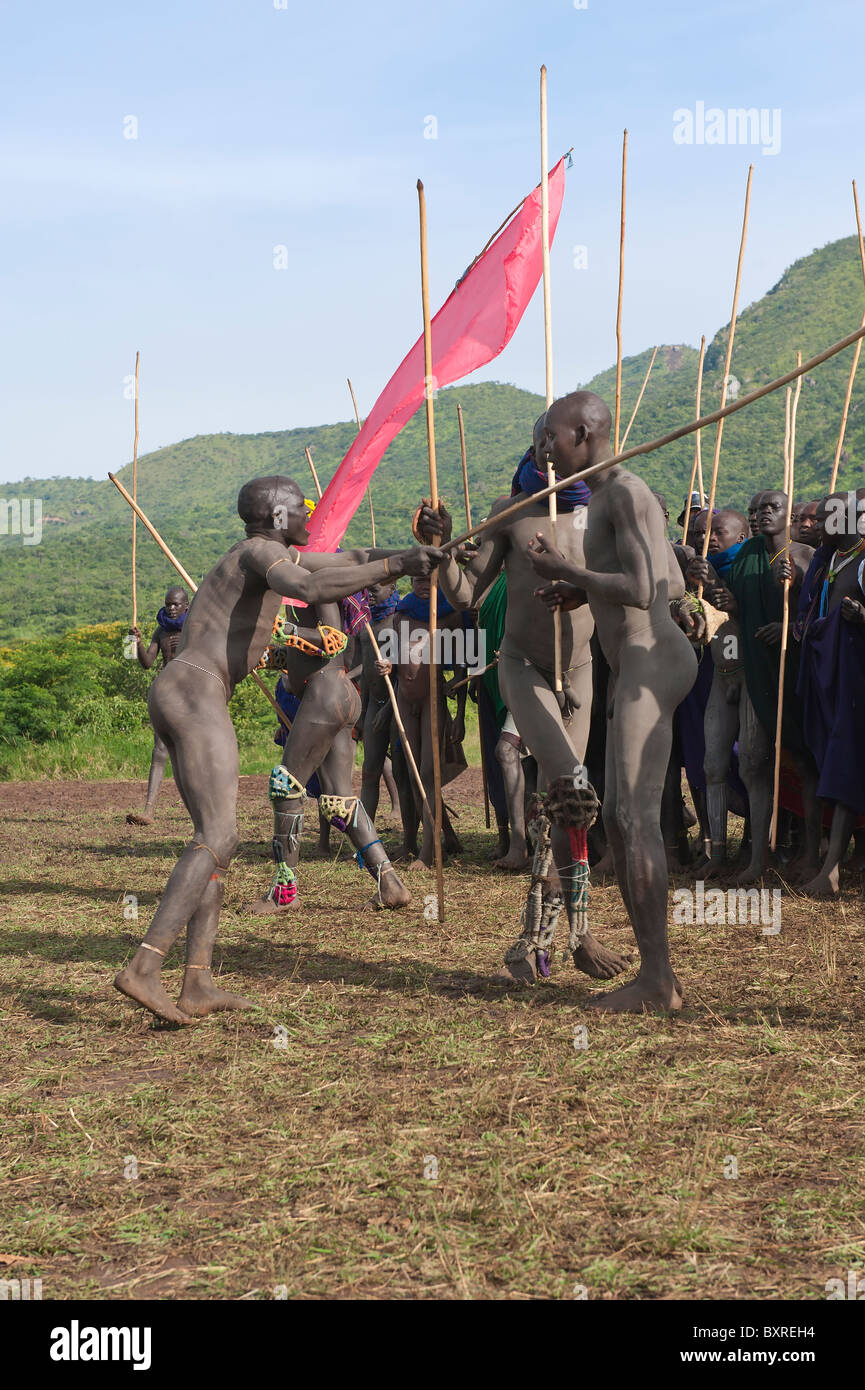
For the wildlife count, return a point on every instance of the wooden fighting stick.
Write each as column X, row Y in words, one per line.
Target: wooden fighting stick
column 434, row 502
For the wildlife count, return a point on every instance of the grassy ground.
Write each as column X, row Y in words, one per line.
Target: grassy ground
column 419, row 1133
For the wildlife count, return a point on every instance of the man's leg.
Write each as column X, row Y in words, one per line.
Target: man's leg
column 405, row 787
column 349, row 815
column 390, row 782
column 721, row 725
column 755, row 769
column 158, row 760
column 806, row 866
column 539, row 720
column 509, row 760
column 825, row 883
column 375, row 745
column 199, row 734
column 639, row 741
column 410, row 713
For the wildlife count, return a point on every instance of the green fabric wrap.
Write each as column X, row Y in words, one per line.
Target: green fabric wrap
column 761, row 601
column 491, row 617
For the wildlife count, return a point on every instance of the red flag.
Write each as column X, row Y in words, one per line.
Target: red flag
column 471, row 328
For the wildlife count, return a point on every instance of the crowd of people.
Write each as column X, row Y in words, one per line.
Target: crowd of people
column 610, row 660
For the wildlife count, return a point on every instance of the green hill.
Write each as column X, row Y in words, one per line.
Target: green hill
column 79, row 574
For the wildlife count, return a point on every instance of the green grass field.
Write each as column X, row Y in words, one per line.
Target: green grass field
column 386, row 1123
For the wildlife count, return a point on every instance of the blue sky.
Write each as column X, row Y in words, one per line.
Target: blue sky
column 304, row 127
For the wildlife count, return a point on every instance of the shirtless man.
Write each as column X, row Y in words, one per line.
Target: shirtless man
column 555, row 727
column 629, row 575
column 170, row 620
column 229, row 626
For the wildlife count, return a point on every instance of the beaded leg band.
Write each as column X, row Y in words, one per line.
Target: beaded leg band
column 572, row 804
column 285, row 789
column 532, row 950
column 344, row 813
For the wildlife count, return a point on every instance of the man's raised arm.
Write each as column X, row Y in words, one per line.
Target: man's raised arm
column 289, row 577
column 321, row 560
column 465, row 588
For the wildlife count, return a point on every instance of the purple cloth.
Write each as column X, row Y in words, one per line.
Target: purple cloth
column 832, row 689
column 692, row 713
column 529, row 478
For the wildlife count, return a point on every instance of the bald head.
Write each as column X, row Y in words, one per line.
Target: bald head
column 273, row 507
column 577, row 432
column 176, row 601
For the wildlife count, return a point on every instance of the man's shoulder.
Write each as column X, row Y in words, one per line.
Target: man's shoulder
column 261, row 551
column 802, row 553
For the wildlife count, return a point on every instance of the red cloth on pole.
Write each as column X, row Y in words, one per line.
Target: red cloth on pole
column 472, row 327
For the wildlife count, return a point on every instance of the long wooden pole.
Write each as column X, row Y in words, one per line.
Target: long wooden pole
column 464, row 463
column 548, row 354
column 402, row 733
column 697, row 464
column 639, row 398
column 787, row 398
column 727, row 360
column 698, row 442
column 434, row 502
column 621, row 286
column 453, row 688
column 135, row 495
column 785, row 616
column 154, row 533
column 377, row 652
column 313, row 472
column 791, row 444
column 359, row 428
column 637, row 450
column 855, row 363
column 187, row 579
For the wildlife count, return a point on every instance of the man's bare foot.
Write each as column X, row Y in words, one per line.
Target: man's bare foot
column 394, row 893
column 750, row 876
column 319, row 851
column 266, row 907
column 402, row 851
column 516, row 861
column 452, row 845
column 139, row 818
column 148, row 991
column 801, row 870
column 418, row 866
column 200, row 996
column 595, row 960
column 640, row 997
column 518, row 972
column 822, row 886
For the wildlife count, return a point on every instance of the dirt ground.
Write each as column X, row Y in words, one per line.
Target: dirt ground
column 387, row 1123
